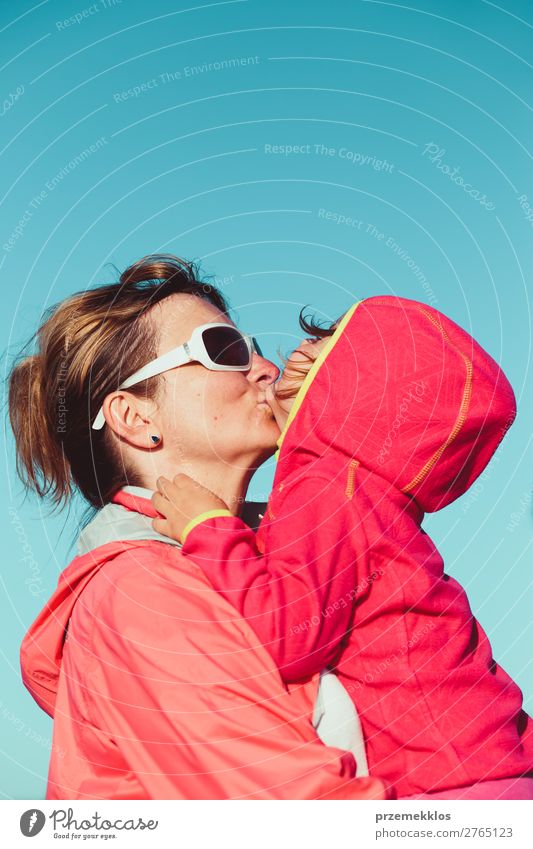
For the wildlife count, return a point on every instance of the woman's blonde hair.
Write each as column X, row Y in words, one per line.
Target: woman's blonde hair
column 84, row 348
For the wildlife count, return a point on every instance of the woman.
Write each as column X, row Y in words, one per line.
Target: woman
column 157, row 687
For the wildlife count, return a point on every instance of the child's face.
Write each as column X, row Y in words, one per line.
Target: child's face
column 292, row 378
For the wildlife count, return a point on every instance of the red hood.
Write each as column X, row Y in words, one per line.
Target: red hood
column 407, row 393
column 41, row 651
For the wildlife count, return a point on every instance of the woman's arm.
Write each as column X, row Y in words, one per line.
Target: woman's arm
column 299, row 595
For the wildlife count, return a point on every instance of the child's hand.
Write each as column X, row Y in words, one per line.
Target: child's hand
column 180, row 501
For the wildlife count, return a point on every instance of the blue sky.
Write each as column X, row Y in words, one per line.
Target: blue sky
column 305, row 153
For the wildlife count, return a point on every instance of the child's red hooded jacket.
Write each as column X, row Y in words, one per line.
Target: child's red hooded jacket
column 157, row 689
column 399, row 415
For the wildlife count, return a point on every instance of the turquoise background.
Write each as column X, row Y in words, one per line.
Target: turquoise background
column 182, row 167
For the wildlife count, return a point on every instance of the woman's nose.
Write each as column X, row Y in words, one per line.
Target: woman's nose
column 262, row 371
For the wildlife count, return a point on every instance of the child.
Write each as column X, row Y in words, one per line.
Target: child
column 393, row 413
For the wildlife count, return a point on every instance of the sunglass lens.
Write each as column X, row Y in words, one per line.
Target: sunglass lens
column 226, row 346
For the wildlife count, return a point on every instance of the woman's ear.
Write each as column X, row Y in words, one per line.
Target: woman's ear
column 130, row 419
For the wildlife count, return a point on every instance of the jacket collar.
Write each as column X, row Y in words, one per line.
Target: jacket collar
column 137, row 499
column 127, row 518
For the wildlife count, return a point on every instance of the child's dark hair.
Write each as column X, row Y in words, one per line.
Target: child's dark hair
column 318, row 331
column 313, row 328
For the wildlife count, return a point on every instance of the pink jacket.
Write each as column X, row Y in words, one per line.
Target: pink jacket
column 399, row 415
column 158, row 691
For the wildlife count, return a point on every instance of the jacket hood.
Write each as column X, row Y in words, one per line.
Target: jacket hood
column 408, row 394
column 116, row 528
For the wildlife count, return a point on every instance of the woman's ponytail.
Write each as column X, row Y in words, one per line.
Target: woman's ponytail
column 41, row 463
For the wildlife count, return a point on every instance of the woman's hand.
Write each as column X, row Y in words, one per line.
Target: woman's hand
column 179, row 501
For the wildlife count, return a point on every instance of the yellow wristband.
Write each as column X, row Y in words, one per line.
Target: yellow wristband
column 211, row 514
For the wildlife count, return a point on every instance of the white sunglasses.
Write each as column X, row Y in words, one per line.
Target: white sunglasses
column 217, row 346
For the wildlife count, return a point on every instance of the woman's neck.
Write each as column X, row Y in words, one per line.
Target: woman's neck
column 229, row 482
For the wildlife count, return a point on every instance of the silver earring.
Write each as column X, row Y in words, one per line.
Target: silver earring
column 155, row 439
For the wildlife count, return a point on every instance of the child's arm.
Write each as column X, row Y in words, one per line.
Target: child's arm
column 299, row 595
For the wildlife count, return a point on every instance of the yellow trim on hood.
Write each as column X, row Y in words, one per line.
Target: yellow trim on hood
column 311, row 374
